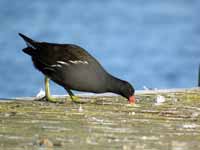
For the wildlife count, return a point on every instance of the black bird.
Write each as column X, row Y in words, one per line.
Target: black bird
column 73, row 68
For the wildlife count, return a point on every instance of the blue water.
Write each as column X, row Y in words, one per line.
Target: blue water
column 152, row 43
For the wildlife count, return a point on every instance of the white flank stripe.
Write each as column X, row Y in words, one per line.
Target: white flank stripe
column 62, row 62
column 78, row 62
column 56, row 65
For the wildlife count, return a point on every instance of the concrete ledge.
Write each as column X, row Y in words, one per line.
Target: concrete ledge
column 160, row 119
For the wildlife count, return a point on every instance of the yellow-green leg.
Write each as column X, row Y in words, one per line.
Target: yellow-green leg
column 47, row 92
column 73, row 97
column 54, row 100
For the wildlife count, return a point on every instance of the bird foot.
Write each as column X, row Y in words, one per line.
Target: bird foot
column 75, row 99
column 53, row 99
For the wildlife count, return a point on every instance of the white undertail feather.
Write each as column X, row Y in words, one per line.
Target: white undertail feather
column 30, row 45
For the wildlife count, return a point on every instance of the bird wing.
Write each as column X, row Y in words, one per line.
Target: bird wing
column 63, row 54
column 51, row 58
column 51, row 53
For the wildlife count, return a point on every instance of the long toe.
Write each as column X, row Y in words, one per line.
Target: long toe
column 54, row 100
column 75, row 99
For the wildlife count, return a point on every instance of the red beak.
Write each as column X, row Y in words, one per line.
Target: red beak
column 131, row 99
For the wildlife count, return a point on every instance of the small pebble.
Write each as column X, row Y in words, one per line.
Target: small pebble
column 45, row 142
column 159, row 100
column 195, row 114
column 189, row 126
column 80, row 109
column 132, row 113
column 7, row 115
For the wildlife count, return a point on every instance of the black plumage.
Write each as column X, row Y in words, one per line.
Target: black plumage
column 74, row 68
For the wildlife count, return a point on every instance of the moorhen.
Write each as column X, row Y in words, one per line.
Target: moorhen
column 73, row 68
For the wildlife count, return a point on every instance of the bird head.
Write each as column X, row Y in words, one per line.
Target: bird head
column 128, row 92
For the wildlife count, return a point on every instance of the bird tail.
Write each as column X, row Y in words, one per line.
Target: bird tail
column 31, row 44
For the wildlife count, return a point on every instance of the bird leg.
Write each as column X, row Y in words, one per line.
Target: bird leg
column 47, row 92
column 72, row 96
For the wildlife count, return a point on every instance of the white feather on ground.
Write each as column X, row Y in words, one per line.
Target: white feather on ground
column 40, row 94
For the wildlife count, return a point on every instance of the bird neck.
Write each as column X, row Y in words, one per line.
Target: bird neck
column 115, row 85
